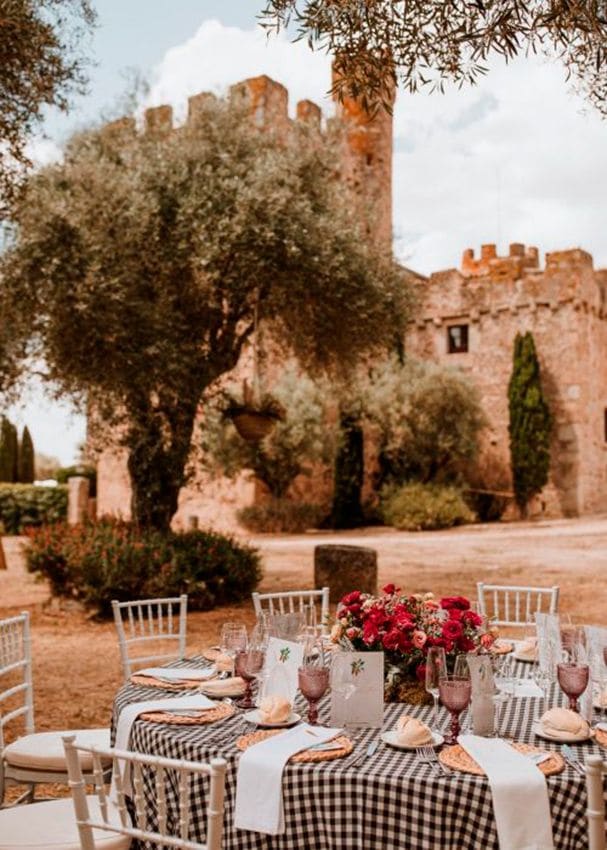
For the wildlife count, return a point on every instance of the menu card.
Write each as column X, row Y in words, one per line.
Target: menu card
column 283, row 659
column 483, row 691
column 357, row 689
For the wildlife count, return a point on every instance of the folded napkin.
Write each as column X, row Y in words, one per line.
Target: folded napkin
column 519, row 793
column 177, row 674
column 523, row 688
column 259, row 804
column 131, row 712
column 223, row 687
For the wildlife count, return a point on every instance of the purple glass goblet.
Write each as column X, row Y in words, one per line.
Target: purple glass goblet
column 573, row 679
column 313, row 683
column 247, row 664
column 455, row 693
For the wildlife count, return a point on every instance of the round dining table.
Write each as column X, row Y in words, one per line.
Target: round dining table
column 388, row 800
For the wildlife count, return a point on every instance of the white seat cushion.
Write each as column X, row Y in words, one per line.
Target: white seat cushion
column 44, row 750
column 52, row 826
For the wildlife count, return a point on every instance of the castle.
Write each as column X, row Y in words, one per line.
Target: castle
column 465, row 318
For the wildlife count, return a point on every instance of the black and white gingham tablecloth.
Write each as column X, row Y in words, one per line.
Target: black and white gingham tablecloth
column 389, row 801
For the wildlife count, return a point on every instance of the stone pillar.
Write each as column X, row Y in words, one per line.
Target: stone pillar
column 77, row 499
column 345, row 568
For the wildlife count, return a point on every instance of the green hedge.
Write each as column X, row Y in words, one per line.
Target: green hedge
column 421, row 507
column 25, row 505
column 281, row 515
column 109, row 559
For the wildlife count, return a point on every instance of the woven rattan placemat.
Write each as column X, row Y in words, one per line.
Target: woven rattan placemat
column 210, row 715
column 306, row 756
column 458, row 759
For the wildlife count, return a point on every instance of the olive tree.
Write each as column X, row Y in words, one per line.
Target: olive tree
column 144, row 261
column 42, row 63
column 423, row 43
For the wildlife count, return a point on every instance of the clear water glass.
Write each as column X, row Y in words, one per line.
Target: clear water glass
column 436, row 667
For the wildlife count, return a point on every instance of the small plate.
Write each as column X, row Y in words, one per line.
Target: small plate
column 501, row 647
column 389, row 738
column 255, row 717
column 537, row 730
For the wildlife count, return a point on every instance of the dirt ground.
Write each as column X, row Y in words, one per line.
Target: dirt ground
column 76, row 665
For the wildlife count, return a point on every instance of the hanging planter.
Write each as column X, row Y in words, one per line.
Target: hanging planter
column 254, row 420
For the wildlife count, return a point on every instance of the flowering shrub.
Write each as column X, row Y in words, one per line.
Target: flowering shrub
column 422, row 507
column 25, row 505
column 405, row 626
column 98, row 562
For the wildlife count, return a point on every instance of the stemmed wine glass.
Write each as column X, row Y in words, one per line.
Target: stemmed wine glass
column 542, row 679
column 249, row 663
column 232, row 639
column 436, row 666
column 573, row 679
column 313, row 683
column 455, row 692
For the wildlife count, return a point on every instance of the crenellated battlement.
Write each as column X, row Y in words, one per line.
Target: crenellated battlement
column 520, row 259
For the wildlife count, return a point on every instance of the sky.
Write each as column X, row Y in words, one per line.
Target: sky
column 519, row 158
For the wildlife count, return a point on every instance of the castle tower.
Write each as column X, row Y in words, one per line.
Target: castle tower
column 366, row 164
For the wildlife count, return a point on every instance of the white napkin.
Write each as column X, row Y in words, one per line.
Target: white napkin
column 518, row 791
column 523, row 688
column 259, row 805
column 131, row 712
column 177, row 674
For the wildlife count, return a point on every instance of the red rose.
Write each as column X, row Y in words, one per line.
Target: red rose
column 370, row 632
column 395, row 640
column 455, row 613
column 402, row 617
column 390, row 589
column 466, row 644
column 421, row 672
column 472, row 619
column 452, row 630
column 455, row 602
column 351, row 598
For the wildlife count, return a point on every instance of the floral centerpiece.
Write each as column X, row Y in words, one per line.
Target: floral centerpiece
column 404, row 627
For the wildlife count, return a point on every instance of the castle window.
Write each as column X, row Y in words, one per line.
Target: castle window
column 457, row 339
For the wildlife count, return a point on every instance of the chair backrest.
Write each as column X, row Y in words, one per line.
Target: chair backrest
column 515, row 605
column 171, row 781
column 595, row 768
column 16, row 661
column 150, row 621
column 289, row 601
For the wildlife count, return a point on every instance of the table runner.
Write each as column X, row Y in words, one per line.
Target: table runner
column 390, row 802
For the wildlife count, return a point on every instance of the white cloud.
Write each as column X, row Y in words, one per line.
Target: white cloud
column 218, row 56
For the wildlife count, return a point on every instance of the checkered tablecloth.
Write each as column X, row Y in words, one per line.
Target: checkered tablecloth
column 389, row 801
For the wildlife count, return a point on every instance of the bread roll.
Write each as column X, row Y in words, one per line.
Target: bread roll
column 564, row 723
column 274, row 709
column 411, row 732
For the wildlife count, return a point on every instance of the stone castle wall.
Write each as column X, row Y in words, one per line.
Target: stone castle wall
column 563, row 305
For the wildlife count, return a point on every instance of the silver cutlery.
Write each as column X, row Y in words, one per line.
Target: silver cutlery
column 429, row 756
column 573, row 760
column 371, row 749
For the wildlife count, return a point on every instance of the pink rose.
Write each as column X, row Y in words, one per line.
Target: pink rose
column 419, row 639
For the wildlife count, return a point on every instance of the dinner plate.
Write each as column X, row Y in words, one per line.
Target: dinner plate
column 390, row 739
column 537, row 730
column 255, row 717
column 524, row 658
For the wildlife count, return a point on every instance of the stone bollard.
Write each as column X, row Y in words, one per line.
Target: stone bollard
column 77, row 499
column 345, row 568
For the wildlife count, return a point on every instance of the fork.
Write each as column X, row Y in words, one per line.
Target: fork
column 429, row 756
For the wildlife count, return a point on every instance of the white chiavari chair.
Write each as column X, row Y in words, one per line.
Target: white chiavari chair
column 292, row 601
column 35, row 757
column 148, row 623
column 515, row 605
column 102, row 821
column 595, row 813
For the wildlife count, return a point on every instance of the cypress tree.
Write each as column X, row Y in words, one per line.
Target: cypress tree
column 26, row 458
column 14, row 438
column 530, row 424
column 6, row 451
column 346, row 511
